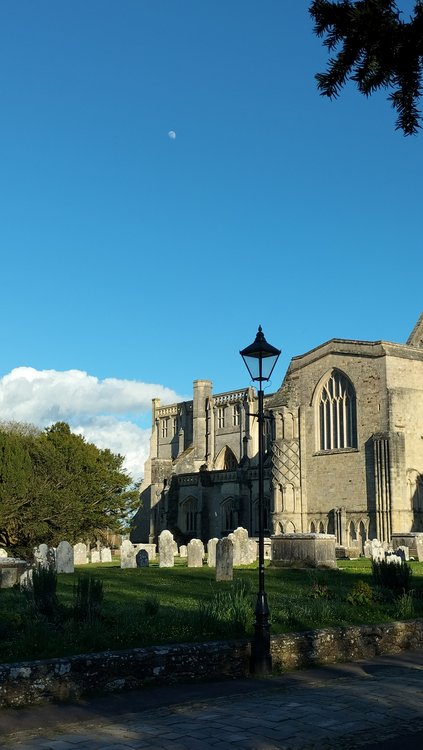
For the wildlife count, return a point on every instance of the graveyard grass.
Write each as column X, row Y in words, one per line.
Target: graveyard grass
column 156, row 606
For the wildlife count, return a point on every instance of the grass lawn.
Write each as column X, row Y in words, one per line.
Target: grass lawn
column 155, row 606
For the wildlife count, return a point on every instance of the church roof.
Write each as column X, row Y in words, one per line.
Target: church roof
column 416, row 336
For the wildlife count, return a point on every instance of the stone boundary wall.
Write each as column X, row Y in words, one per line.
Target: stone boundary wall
column 33, row 682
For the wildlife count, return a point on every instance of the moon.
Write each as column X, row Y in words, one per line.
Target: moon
column 172, row 135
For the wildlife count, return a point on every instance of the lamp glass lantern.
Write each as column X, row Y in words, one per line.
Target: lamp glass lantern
column 260, row 357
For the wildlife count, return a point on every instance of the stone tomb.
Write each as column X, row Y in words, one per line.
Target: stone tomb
column 224, row 560
column 304, row 550
column 414, row 542
column 11, row 570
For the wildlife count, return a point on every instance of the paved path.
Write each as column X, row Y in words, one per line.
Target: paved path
column 377, row 705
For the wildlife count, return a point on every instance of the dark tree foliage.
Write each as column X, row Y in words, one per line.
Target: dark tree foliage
column 376, row 49
column 54, row 485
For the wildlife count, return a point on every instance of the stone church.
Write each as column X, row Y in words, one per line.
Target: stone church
column 343, row 450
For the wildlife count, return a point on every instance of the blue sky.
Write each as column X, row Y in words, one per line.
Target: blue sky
column 130, row 257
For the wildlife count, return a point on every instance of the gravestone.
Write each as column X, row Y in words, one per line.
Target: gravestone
column 377, row 550
column 80, row 556
column 166, row 549
column 3, row 552
column 42, row 556
column 404, row 553
column 242, row 550
column 141, row 558
column 64, row 558
column 236, row 548
column 195, row 553
column 25, row 580
column 224, row 559
column 105, row 555
column 368, row 549
column 253, row 550
column 175, row 548
column 127, row 555
column 183, row 550
column 393, row 559
column 95, row 555
column 211, row 552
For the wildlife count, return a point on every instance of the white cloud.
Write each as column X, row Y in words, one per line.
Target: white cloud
column 104, row 411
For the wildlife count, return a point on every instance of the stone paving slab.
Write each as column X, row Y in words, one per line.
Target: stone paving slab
column 361, row 705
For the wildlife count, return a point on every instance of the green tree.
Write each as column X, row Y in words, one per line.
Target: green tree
column 15, row 479
column 376, row 49
column 58, row 486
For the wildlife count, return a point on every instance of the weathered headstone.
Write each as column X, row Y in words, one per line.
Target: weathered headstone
column 64, row 558
column 42, row 556
column 224, row 559
column 105, row 555
column 393, row 559
column 235, row 548
column 25, row 580
column 377, row 550
column 211, row 552
column 195, row 553
column 253, row 550
column 95, row 555
column 242, row 543
column 127, row 555
column 368, row 549
column 3, row 552
column 183, row 550
column 166, row 549
column 175, row 548
column 403, row 552
column 80, row 556
column 141, row 558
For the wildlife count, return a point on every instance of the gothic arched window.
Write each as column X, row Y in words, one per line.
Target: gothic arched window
column 189, row 510
column 337, row 414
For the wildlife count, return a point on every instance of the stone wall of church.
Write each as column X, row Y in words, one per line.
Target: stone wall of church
column 339, row 478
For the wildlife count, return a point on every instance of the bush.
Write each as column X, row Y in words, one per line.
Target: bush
column 404, row 606
column 228, row 612
column 43, row 593
column 393, row 576
column 88, row 599
column 361, row 593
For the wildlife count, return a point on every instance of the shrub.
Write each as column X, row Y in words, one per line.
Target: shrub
column 229, row 611
column 320, row 591
column 393, row 576
column 405, row 606
column 88, row 599
column 43, row 593
column 361, row 593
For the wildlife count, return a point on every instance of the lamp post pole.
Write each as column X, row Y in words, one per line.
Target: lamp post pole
column 260, row 359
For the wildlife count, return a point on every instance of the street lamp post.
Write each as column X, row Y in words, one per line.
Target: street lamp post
column 260, row 359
